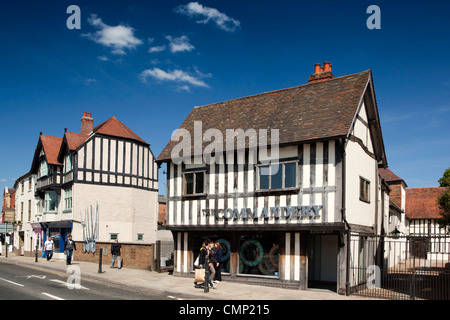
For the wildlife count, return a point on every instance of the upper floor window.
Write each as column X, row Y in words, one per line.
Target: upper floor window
column 67, row 199
column 43, row 169
column 51, row 201
column 364, row 189
column 68, row 163
column 277, row 176
column 194, row 183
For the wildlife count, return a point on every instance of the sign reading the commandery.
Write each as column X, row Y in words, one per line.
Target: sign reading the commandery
column 288, row 212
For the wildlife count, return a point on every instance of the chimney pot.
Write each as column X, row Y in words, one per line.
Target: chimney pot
column 317, row 68
column 89, row 115
column 84, row 114
column 327, row 66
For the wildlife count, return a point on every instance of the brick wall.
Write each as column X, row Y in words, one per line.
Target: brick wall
column 133, row 255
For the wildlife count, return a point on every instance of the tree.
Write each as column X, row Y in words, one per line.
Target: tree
column 443, row 201
column 445, row 180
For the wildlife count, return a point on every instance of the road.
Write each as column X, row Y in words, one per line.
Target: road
column 27, row 283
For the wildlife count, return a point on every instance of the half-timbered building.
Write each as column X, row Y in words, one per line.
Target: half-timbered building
column 283, row 205
column 99, row 185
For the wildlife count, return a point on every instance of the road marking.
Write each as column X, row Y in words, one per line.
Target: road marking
column 70, row 285
column 17, row 284
column 34, row 276
column 52, row 296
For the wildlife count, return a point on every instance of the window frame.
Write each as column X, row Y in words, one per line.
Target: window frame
column 48, row 198
column 194, row 180
column 67, row 199
column 364, row 195
column 283, row 182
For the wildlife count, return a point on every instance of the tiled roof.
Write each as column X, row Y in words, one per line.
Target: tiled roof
column 421, row 203
column 51, row 147
column 114, row 127
column 74, row 140
column 389, row 176
column 304, row 113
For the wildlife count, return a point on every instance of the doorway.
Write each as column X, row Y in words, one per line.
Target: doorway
column 322, row 261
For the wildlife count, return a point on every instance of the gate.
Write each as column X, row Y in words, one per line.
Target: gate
column 400, row 268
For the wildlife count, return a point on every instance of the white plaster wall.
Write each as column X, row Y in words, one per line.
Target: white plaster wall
column 126, row 211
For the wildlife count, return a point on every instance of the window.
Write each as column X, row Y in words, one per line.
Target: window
column 140, row 237
column 43, row 170
column 21, row 212
column 67, row 199
column 278, row 176
column 22, row 188
column 29, row 210
column 29, row 185
column 68, row 163
column 113, row 236
column 194, row 183
column 51, row 201
column 364, row 189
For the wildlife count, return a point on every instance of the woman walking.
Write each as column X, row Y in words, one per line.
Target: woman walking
column 217, row 265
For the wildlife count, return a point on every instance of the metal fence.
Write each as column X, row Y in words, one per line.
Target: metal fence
column 400, row 268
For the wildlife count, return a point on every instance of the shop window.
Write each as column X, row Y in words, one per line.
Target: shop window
column 224, row 242
column 259, row 255
column 278, row 176
column 194, row 183
column 364, row 189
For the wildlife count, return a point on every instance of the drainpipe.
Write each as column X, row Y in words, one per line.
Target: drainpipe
column 344, row 217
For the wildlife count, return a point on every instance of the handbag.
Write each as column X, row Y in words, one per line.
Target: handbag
column 200, row 275
column 197, row 262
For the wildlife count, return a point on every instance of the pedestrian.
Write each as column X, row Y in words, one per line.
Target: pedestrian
column 115, row 252
column 69, row 246
column 204, row 253
column 49, row 246
column 217, row 266
column 212, row 261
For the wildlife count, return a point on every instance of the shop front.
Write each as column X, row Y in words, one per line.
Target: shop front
column 58, row 232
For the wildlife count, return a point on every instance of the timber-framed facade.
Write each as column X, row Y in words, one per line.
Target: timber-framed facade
column 289, row 226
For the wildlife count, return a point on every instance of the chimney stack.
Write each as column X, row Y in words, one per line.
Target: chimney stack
column 321, row 74
column 87, row 124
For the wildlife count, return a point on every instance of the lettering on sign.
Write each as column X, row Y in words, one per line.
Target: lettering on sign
column 286, row 212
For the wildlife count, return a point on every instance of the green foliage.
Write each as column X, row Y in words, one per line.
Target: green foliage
column 445, row 180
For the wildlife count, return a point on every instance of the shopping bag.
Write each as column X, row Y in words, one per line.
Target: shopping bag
column 43, row 253
column 200, row 275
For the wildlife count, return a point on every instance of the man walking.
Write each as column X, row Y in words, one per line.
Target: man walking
column 115, row 252
column 49, row 246
column 69, row 246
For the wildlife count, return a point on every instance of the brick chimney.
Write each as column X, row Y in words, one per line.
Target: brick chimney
column 321, row 74
column 87, row 124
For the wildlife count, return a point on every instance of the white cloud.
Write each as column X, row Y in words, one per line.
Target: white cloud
column 156, row 49
column 181, row 78
column 118, row 37
column 179, row 44
column 206, row 15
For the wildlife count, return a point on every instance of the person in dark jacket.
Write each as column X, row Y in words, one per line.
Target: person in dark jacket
column 217, row 265
column 69, row 246
column 115, row 252
column 204, row 252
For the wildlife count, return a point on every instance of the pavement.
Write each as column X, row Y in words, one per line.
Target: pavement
column 175, row 286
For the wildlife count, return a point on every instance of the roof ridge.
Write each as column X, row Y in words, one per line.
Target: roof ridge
column 283, row 89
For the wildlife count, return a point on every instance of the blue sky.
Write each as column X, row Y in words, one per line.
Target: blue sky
column 150, row 62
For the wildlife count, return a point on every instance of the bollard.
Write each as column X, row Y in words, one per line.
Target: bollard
column 100, row 261
column 206, row 288
column 36, row 255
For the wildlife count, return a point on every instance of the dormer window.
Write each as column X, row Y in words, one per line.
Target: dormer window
column 68, row 162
